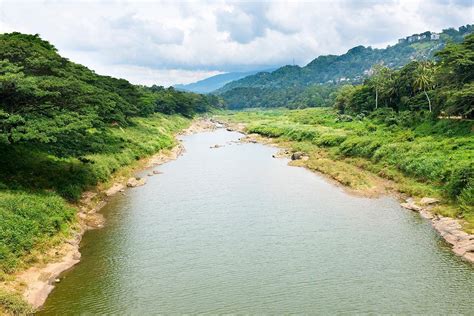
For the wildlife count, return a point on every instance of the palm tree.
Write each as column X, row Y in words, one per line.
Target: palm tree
column 424, row 79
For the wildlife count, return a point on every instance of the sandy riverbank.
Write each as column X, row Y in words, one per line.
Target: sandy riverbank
column 462, row 243
column 36, row 282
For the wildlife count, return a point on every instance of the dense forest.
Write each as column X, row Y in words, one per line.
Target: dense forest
column 45, row 98
column 64, row 129
column 300, row 87
column 444, row 86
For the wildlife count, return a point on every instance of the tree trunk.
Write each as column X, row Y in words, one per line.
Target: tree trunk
column 429, row 101
column 376, row 98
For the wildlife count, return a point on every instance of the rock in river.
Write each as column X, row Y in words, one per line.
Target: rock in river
column 298, row 155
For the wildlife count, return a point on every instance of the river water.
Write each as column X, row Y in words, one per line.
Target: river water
column 233, row 230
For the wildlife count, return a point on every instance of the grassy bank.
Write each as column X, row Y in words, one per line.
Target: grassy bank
column 422, row 157
column 39, row 188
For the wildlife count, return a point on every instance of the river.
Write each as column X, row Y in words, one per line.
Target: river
column 233, row 230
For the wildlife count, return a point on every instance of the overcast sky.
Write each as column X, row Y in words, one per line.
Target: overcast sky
column 168, row 42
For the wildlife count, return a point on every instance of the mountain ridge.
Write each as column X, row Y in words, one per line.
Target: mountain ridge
column 283, row 86
column 213, row 83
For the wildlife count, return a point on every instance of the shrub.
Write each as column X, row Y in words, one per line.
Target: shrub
column 330, row 140
column 466, row 200
column 459, row 180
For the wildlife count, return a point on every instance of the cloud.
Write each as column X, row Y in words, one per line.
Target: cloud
column 176, row 41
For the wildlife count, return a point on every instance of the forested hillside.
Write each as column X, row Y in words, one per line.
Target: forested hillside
column 299, row 87
column 64, row 129
column 444, row 87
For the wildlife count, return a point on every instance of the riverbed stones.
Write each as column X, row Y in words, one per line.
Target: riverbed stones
column 117, row 187
column 86, row 197
column 449, row 228
column 412, row 206
column 469, row 256
column 135, row 182
column 428, row 201
column 426, row 214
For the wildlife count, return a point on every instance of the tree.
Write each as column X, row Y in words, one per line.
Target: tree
column 424, row 79
column 344, row 98
column 379, row 80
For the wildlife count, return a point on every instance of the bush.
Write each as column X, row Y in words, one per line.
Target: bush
column 360, row 146
column 459, row 180
column 466, row 200
column 330, row 140
column 26, row 219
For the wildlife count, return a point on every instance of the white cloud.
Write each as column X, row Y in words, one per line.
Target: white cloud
column 167, row 42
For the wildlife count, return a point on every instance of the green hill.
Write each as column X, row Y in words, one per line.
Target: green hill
column 296, row 87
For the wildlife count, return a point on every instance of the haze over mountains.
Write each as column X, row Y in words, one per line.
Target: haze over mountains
column 215, row 82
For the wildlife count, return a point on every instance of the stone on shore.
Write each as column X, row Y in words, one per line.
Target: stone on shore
column 469, row 256
column 428, row 201
column 135, row 182
column 412, row 206
column 117, row 187
column 426, row 214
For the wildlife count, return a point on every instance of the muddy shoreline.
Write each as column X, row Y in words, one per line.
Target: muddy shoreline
column 450, row 229
column 37, row 282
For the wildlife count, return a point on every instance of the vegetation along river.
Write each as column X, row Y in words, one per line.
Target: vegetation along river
column 233, row 230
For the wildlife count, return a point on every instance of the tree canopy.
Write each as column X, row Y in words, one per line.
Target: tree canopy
column 47, row 99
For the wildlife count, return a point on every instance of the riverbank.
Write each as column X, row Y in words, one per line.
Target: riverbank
column 37, row 275
column 227, row 229
column 355, row 174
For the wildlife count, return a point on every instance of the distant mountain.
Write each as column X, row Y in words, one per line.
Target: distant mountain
column 286, row 85
column 215, row 82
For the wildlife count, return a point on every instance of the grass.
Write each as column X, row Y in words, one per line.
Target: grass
column 38, row 188
column 13, row 304
column 420, row 156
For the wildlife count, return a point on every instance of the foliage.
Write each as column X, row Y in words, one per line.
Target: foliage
column 449, row 83
column 46, row 99
column 14, row 304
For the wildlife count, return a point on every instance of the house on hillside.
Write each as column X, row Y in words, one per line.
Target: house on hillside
column 434, row 36
column 413, row 38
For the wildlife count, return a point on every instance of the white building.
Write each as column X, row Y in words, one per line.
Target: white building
column 413, row 38
column 434, row 36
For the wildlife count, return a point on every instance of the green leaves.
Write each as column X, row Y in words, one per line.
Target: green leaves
column 45, row 99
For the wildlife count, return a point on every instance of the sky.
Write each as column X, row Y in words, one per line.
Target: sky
column 169, row 42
